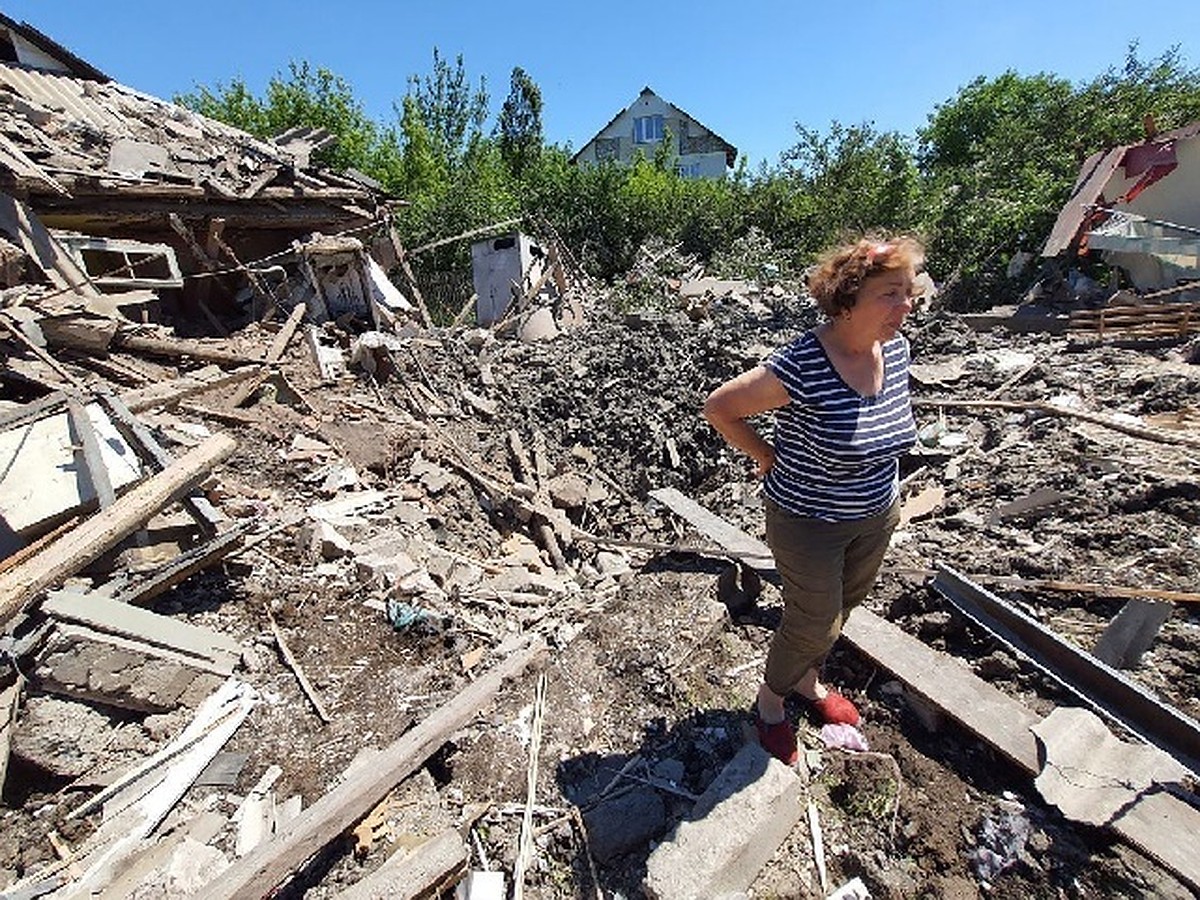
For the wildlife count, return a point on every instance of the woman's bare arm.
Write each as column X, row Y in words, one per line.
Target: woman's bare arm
column 729, row 406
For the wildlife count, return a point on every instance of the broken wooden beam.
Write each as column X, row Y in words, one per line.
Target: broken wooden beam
column 201, row 509
column 274, row 354
column 182, row 567
column 402, row 259
column 1085, row 587
column 426, row 870
column 106, row 529
column 297, row 670
column 268, row 865
column 180, row 347
column 172, row 393
column 525, row 475
column 1051, row 409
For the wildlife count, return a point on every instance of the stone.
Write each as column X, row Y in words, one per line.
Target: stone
column 735, row 827
column 62, row 737
column 322, row 540
column 540, row 326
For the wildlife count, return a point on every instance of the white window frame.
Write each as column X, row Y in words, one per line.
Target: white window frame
column 648, row 129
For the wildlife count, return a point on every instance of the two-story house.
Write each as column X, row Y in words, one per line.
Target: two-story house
column 643, row 125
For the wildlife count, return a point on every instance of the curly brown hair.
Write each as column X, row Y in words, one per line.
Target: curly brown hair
column 838, row 274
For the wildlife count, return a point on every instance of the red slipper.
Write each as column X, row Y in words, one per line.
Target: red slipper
column 778, row 739
column 835, row 709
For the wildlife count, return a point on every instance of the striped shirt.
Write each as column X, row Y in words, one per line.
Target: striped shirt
column 836, row 451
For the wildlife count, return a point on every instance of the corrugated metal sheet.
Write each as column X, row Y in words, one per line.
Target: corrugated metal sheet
column 1090, row 185
column 70, row 96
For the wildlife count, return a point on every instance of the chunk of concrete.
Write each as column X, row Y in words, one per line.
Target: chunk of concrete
column 737, row 824
column 322, row 540
column 90, row 665
column 64, row 738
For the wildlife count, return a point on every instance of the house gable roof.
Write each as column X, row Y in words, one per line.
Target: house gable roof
column 71, row 63
column 730, row 150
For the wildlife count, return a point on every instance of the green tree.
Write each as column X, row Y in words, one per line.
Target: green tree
column 1116, row 106
column 519, row 124
column 851, row 178
column 233, row 103
column 453, row 111
column 999, row 159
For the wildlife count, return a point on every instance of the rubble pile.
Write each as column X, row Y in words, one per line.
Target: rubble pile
column 300, row 591
column 383, row 535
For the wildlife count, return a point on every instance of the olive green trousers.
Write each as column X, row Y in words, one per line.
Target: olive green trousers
column 827, row 569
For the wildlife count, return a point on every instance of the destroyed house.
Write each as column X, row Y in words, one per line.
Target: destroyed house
column 143, row 193
column 1139, row 205
column 643, row 125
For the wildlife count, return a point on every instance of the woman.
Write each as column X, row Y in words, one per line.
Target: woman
column 843, row 418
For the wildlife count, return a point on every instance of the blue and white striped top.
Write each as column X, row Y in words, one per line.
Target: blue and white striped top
column 836, row 451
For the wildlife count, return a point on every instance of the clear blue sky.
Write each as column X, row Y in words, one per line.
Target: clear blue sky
column 749, row 71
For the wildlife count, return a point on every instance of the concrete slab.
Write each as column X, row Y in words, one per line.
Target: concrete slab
column 735, row 827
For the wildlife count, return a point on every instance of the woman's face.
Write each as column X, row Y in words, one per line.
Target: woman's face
column 883, row 302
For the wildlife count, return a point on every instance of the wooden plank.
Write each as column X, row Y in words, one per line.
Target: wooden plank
column 1085, row 587
column 1166, row 829
column 171, row 393
column 421, row 872
column 297, row 670
column 180, row 347
column 47, row 253
column 982, row 709
column 118, row 618
column 183, row 566
column 256, row 874
column 274, row 354
column 402, row 259
column 736, row 542
column 106, row 529
column 1050, row 409
column 198, row 505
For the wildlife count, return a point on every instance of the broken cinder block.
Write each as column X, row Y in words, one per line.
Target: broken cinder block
column 90, row 665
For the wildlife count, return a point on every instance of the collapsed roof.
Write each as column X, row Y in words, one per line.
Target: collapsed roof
column 1140, row 204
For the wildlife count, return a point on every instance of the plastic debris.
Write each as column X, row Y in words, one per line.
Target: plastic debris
column 1001, row 840
column 406, row 617
column 847, row 737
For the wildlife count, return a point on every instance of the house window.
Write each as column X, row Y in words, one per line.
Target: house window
column 647, row 129
column 687, row 170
